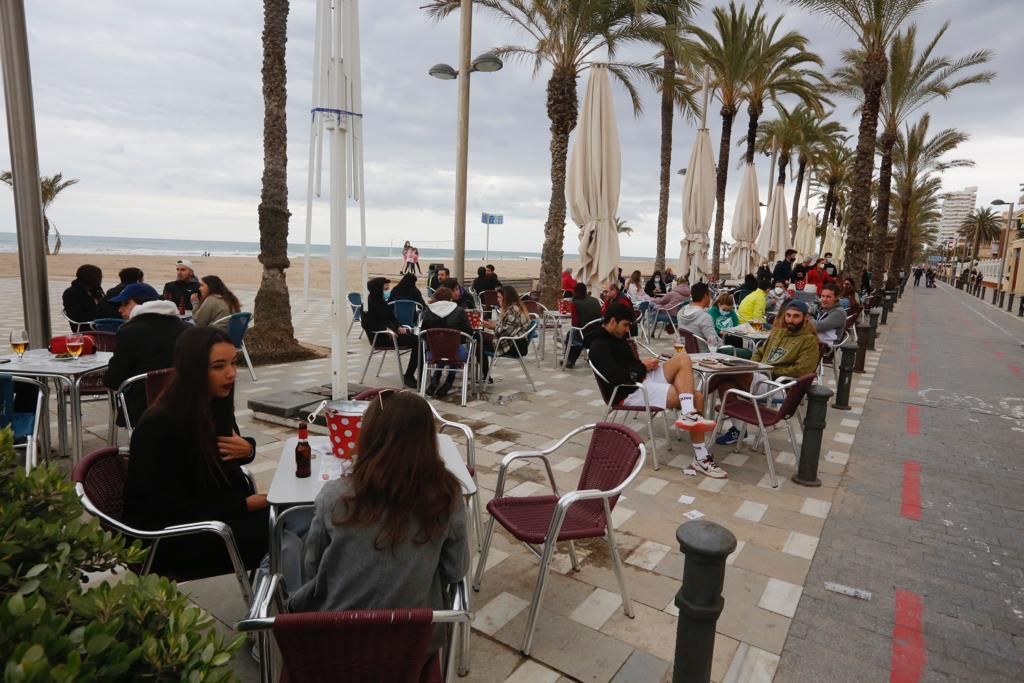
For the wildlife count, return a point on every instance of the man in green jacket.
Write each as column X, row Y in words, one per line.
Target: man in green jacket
column 792, row 351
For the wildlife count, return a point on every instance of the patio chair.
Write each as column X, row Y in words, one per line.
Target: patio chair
column 155, row 381
column 76, row 326
column 100, row 480
column 489, row 299
column 614, row 458
column 449, row 351
column 26, row 426
column 738, row 294
column 238, row 325
column 358, row 645
column 747, row 408
column 515, row 351
column 407, row 312
column 666, row 316
column 381, row 342
column 355, row 303
column 535, row 307
column 576, row 337
column 830, row 353
column 107, row 324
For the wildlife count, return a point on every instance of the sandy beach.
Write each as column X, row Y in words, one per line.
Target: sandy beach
column 244, row 272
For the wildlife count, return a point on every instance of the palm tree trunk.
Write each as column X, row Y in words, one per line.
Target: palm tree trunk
column 887, row 141
column 728, row 113
column 780, row 179
column 874, row 71
column 273, row 337
column 753, row 115
column 562, row 104
column 977, row 241
column 901, row 250
column 830, row 204
column 667, row 87
column 801, row 167
column 46, row 233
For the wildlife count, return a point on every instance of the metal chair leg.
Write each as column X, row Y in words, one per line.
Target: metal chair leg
column 792, row 438
column 526, row 372
column 369, row 358
column 481, row 563
column 383, row 357
column 248, row 362
column 654, row 446
column 613, row 550
column 767, row 452
column 538, row 594
column 572, row 557
column 668, row 436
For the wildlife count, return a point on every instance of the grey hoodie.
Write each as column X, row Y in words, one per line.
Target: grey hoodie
column 696, row 320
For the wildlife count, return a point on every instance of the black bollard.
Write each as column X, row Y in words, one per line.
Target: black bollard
column 1009, row 304
column 846, row 365
column 1002, row 294
column 862, row 347
column 814, row 425
column 995, row 293
column 873, row 316
column 706, row 546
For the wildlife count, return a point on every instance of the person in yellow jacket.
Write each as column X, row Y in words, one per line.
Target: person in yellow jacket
column 753, row 305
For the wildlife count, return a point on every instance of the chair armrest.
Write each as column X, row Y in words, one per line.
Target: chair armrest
column 542, row 454
column 778, row 386
column 615, row 391
column 258, row 619
column 247, row 473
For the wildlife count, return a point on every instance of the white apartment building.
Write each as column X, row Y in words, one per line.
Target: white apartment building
column 956, row 206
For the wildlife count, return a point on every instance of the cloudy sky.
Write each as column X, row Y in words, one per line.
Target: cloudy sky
column 156, row 107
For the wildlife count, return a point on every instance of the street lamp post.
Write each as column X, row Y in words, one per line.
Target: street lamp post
column 1006, row 243
column 487, row 63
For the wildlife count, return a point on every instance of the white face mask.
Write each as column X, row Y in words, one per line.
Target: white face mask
column 779, row 291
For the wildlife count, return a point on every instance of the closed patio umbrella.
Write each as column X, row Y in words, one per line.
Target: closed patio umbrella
column 805, row 242
column 698, row 199
column 746, row 221
column 592, row 181
column 773, row 240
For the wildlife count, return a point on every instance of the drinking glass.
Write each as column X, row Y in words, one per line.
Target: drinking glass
column 75, row 342
column 758, row 325
column 19, row 342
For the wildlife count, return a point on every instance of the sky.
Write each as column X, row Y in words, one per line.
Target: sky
column 157, row 109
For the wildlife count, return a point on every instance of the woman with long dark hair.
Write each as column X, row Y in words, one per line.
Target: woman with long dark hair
column 378, row 317
column 406, row 290
column 214, row 302
column 393, row 533
column 513, row 321
column 186, row 458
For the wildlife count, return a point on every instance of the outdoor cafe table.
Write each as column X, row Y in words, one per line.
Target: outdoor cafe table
column 42, row 364
column 555, row 319
column 704, row 373
column 286, row 489
column 750, row 338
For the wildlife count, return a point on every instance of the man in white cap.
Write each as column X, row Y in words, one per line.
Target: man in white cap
column 185, row 284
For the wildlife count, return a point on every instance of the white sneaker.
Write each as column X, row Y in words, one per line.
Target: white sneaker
column 709, row 468
column 694, row 422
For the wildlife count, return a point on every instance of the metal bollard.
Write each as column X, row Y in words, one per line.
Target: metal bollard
column 995, row 293
column 1020, row 309
column 814, row 425
column 862, row 347
column 873, row 316
column 706, row 546
column 846, row 365
column 1009, row 305
column 1002, row 295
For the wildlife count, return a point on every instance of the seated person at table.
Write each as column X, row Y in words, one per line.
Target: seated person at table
column 655, row 285
column 724, row 313
column 406, row 290
column 107, row 307
column 379, row 317
column 513, row 321
column 695, row 319
column 185, row 464
column 82, row 299
column 799, row 274
column 459, row 294
column 792, row 351
column 486, row 279
column 830, row 320
column 613, row 294
column 393, row 533
column 816, row 277
column 443, row 312
column 214, row 303
column 439, row 277
column 568, row 282
column 585, row 309
column 183, row 286
column 668, row 386
column 754, row 304
column 776, row 297
column 848, row 298
column 144, row 343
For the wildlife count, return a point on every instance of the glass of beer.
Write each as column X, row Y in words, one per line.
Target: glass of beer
column 19, row 342
column 74, row 343
column 757, row 324
column 679, row 346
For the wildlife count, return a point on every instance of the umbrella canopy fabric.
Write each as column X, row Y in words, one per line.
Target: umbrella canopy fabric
column 773, row 240
column 746, row 221
column 593, row 179
column 805, row 242
column 698, row 207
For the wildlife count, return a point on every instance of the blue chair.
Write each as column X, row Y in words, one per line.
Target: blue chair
column 355, row 302
column 107, row 324
column 25, row 425
column 238, row 325
column 406, row 312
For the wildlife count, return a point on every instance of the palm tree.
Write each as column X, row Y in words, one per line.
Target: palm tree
column 780, row 136
column 982, row 224
column 922, row 210
column 917, row 155
column 567, row 35
column 49, row 188
column 273, row 337
column 623, row 228
column 874, row 24
column 914, row 80
column 729, row 54
column 813, row 136
column 676, row 15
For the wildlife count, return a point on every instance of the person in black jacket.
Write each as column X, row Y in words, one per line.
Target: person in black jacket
column 667, row 386
column 443, row 312
column 784, row 268
column 655, row 286
column 185, row 284
column 185, row 464
column 144, row 343
column 82, row 298
column 109, row 308
column 378, row 317
column 585, row 309
column 406, row 290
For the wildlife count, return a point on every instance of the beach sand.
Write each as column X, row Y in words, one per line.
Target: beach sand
column 243, row 272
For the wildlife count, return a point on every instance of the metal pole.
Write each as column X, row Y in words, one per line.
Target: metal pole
column 1003, row 248
column 846, row 365
column 28, row 202
column 462, row 140
column 706, row 546
column 810, row 447
column 487, row 244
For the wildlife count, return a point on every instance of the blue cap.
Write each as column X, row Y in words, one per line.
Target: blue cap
column 799, row 305
column 139, row 292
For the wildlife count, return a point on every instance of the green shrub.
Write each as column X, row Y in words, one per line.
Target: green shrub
column 51, row 629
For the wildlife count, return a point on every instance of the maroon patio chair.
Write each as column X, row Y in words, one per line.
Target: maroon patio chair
column 489, row 299
column 382, row 342
column 156, row 381
column 745, row 407
column 446, row 350
column 92, row 388
column 614, row 458
column 100, row 480
column 357, row 645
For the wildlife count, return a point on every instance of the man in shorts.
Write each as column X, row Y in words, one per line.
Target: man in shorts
column 668, row 385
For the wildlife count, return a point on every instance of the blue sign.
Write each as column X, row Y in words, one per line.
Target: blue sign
column 492, row 218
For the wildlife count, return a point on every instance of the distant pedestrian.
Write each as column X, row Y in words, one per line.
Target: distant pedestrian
column 918, row 272
column 416, row 260
column 929, row 278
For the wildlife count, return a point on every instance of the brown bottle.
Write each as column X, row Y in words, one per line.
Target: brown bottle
column 303, row 453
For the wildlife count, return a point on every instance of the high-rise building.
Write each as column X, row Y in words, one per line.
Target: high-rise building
column 956, row 206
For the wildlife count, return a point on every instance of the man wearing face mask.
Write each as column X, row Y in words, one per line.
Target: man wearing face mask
column 830, row 268
column 784, row 268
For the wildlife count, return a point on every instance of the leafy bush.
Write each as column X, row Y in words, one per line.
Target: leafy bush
column 141, row 628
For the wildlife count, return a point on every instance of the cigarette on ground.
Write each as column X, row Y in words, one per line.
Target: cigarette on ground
column 858, row 593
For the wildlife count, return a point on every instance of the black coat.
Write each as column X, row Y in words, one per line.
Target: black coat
column 614, row 359
column 456, row 320
column 107, row 308
column 181, row 291
column 783, row 271
column 80, row 304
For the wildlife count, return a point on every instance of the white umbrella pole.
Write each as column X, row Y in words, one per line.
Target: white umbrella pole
column 356, row 81
column 310, row 174
column 339, row 274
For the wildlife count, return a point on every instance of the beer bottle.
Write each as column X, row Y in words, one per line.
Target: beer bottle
column 303, row 453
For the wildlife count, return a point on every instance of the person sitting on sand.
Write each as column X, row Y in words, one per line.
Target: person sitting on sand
column 183, row 286
column 214, row 303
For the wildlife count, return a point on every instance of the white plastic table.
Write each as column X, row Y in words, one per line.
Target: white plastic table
column 750, row 339
column 704, row 373
column 556, row 319
column 40, row 363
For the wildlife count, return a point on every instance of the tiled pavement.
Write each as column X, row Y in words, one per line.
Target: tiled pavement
column 582, row 633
